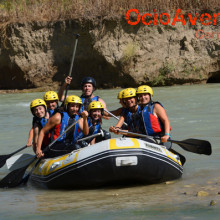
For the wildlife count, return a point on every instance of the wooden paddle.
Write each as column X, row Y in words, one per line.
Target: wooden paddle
column 3, row 158
column 192, row 145
column 16, row 177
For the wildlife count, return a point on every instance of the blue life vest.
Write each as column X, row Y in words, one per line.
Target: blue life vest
column 93, row 129
column 40, row 121
column 66, row 121
column 133, row 119
column 50, row 111
column 153, row 125
column 86, row 101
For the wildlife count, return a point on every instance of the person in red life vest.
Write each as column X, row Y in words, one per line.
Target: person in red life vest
column 154, row 117
column 88, row 85
column 58, row 123
column 39, row 110
column 130, row 115
column 51, row 100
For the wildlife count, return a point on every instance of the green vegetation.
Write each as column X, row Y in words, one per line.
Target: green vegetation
column 36, row 10
column 166, row 69
column 129, row 52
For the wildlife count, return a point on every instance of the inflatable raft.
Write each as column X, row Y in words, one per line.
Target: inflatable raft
column 110, row 162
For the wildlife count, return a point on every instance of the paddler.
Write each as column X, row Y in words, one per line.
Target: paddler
column 94, row 122
column 131, row 114
column 51, row 100
column 38, row 108
column 154, row 118
column 88, row 86
column 58, row 123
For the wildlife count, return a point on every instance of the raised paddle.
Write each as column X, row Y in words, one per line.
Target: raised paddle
column 71, row 66
column 3, row 158
column 192, row 145
column 15, row 178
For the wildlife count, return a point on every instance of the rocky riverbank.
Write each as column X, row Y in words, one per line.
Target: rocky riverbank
column 117, row 54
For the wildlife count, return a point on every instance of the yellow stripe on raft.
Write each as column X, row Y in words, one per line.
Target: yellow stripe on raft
column 173, row 158
column 113, row 146
column 46, row 168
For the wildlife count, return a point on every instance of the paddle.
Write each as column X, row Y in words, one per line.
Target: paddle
column 15, row 178
column 3, row 158
column 71, row 66
column 192, row 145
column 21, row 160
column 114, row 116
column 91, row 136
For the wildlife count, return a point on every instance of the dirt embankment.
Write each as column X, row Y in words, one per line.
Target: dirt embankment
column 38, row 54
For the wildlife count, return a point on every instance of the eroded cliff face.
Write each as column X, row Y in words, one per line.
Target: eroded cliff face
column 38, row 54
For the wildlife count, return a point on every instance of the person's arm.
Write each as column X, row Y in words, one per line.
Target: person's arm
column 51, row 123
column 118, row 126
column 83, row 123
column 35, row 136
column 30, row 137
column 103, row 102
column 92, row 141
column 68, row 80
column 162, row 115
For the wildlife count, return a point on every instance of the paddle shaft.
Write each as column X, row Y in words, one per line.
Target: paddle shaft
column 71, row 65
column 114, row 116
column 91, row 136
column 192, row 145
column 136, row 134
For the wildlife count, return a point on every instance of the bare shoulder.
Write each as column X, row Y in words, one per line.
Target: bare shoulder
column 56, row 118
column 158, row 106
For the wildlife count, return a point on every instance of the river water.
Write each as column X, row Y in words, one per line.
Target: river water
column 193, row 112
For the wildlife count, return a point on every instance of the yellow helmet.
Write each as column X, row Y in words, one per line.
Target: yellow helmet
column 144, row 89
column 120, row 94
column 50, row 96
column 73, row 99
column 95, row 105
column 37, row 102
column 129, row 92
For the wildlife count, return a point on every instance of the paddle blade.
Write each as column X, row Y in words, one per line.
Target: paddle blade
column 196, row 146
column 14, row 178
column 19, row 161
column 3, row 159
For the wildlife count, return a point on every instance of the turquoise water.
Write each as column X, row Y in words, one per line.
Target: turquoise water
column 193, row 112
